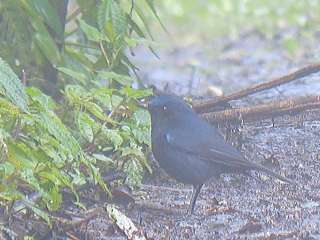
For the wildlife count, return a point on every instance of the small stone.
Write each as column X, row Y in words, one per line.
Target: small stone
column 250, row 227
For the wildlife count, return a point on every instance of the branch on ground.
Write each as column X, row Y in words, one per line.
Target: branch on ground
column 265, row 111
column 206, row 105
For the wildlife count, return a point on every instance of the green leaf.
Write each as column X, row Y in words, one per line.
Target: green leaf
column 76, row 75
column 61, row 133
column 113, row 136
column 96, row 110
column 153, row 9
column 46, row 44
column 133, row 171
column 49, row 14
column 103, row 96
column 28, row 176
column 116, row 100
column 45, row 216
column 55, row 198
column 77, row 177
column 3, row 149
column 20, row 156
column 91, row 33
column 112, row 20
column 6, row 169
column 136, row 93
column 85, row 123
column 9, row 193
column 103, row 158
column 11, row 86
column 40, row 98
column 79, row 58
column 75, row 94
column 41, row 35
column 105, row 18
column 8, row 109
column 142, row 117
column 122, row 79
column 142, row 135
column 144, row 20
column 98, row 179
column 136, row 153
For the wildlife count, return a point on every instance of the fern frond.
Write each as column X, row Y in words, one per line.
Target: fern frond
column 11, row 86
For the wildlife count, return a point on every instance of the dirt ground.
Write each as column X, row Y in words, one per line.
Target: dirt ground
column 236, row 206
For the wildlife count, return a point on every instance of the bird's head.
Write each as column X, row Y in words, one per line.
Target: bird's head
column 168, row 107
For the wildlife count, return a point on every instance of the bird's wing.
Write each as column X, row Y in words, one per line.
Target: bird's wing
column 208, row 144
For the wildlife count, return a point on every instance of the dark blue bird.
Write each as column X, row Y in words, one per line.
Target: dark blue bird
column 191, row 150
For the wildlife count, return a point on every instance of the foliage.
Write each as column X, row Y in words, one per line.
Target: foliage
column 233, row 16
column 91, row 125
column 236, row 17
column 44, row 152
column 11, row 86
column 92, row 38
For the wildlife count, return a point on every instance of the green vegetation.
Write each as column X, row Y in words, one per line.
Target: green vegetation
column 232, row 17
column 68, row 112
column 72, row 116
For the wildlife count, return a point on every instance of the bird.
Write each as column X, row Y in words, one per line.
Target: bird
column 190, row 149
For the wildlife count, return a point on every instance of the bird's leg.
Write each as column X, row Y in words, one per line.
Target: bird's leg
column 195, row 193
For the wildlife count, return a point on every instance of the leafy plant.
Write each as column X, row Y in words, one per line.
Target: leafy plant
column 91, row 124
column 92, row 38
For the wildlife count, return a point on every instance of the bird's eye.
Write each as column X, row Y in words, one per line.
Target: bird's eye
column 164, row 108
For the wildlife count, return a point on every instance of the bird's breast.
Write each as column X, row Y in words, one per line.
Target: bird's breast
column 180, row 165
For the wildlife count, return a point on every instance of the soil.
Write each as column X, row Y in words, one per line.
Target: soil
column 252, row 206
column 236, row 206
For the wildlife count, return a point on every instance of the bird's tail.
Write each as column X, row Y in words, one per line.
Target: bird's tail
column 273, row 174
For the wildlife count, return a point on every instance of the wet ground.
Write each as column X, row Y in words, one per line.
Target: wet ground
column 250, row 208
column 236, row 206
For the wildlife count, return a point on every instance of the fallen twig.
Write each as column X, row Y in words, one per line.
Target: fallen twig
column 280, row 235
column 67, row 224
column 263, row 111
column 201, row 106
column 71, row 236
column 156, row 206
column 124, row 223
column 155, row 188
